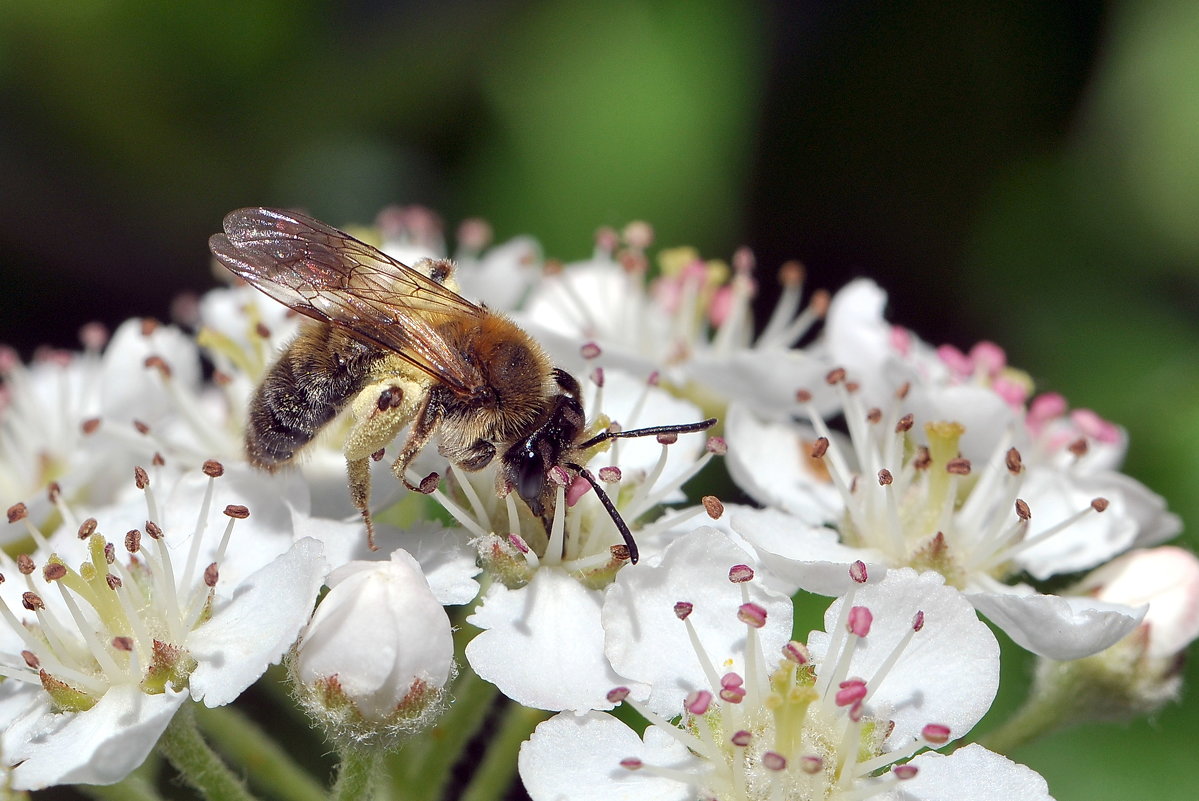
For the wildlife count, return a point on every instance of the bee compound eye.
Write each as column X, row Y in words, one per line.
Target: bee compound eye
column 529, row 475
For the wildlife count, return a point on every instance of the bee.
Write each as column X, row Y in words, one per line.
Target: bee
column 400, row 347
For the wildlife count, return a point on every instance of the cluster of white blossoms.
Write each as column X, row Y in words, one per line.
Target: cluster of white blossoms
column 147, row 566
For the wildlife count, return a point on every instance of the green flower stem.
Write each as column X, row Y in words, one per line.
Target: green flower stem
column 356, row 774
column 1054, row 702
column 198, row 765
column 420, row 770
column 492, row 779
column 134, row 788
column 257, row 754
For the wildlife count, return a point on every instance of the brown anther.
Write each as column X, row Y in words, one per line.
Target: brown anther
column 211, row 574
column 739, row 574
column 610, row 474
column 958, row 467
column 53, row 571
column 905, row 424
column 1078, row 447
column 885, row 478
column 1014, row 462
column 791, row 273
column 619, row 552
column 149, row 326
column 632, row 262
column 852, row 386
column 638, row 234
column 25, row 564
column 237, row 511
column 31, row 659
column 716, row 446
column 922, row 459
column 141, row 478
column 32, row 601
column 1022, row 510
column 154, row 530
column 18, row 511
column 221, row 378
column 87, row 528
column 158, row 363
column 213, row 469
column 90, row 425
column 835, row 376
column 874, row 415
column 261, row 330
column 1100, row 504
column 157, row 460
column 682, row 609
column 819, row 448
column 110, row 553
column 743, row 259
column 377, row 456
column 429, row 483
column 590, row 350
column 140, row 427
column 668, row 438
column 820, row 301
column 803, row 396
column 54, row 492
column 713, row 506
column 122, row 643
column 133, row 541
column 552, row 266
column 112, row 580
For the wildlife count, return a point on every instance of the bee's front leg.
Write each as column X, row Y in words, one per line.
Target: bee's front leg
column 380, row 411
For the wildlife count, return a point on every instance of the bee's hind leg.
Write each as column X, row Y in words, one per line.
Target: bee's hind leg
column 380, row 411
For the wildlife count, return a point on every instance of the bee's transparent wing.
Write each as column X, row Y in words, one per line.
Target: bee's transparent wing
column 331, row 276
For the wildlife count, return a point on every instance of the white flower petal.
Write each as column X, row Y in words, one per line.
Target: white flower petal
column 1054, row 496
column 1167, row 579
column 972, row 772
column 767, row 461
column 947, row 674
column 543, row 645
column 257, row 627
column 578, row 757
column 807, row 557
column 99, row 746
column 647, row 642
column 378, row 630
column 1055, row 627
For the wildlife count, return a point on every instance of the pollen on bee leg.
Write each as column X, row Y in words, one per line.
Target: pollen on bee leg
column 358, row 471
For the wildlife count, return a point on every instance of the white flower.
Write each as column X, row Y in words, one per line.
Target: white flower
column 904, row 665
column 78, row 419
column 541, row 616
column 121, row 617
column 499, row 276
column 693, row 324
column 944, row 467
column 378, row 652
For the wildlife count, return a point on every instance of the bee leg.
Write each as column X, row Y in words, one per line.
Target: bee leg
column 422, row 429
column 472, row 457
column 380, row 411
column 359, row 472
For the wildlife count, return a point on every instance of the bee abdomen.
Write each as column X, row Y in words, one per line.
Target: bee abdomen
column 314, row 379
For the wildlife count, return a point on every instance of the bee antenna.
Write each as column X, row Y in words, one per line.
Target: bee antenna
column 652, row 431
column 621, row 526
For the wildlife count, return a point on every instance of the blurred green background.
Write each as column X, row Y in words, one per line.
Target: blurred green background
column 1024, row 172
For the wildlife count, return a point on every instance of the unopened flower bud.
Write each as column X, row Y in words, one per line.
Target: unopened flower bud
column 377, row 654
